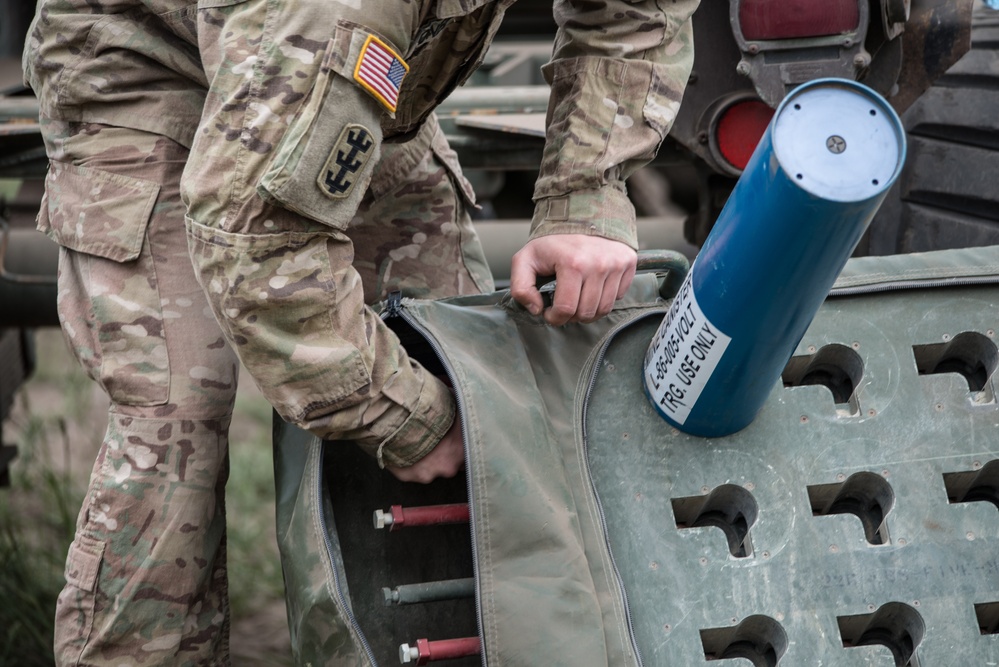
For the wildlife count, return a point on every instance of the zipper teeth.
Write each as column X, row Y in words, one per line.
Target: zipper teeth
column 400, row 311
column 336, row 577
column 899, row 285
column 586, row 465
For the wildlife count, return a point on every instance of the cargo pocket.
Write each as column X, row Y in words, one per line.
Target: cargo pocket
column 76, row 608
column 109, row 303
column 276, row 296
column 83, row 563
column 323, row 163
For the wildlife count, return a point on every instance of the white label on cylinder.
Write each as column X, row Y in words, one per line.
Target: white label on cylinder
column 684, row 353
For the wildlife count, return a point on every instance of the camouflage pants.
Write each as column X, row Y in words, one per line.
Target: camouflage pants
column 146, row 574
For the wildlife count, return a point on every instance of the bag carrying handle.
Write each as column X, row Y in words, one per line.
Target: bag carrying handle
column 674, row 264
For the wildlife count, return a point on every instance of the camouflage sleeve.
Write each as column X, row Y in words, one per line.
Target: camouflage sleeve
column 617, row 74
column 279, row 167
column 292, row 306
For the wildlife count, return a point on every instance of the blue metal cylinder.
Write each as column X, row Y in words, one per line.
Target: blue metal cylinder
column 832, row 151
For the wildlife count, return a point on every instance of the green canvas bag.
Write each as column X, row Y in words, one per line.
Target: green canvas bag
column 853, row 522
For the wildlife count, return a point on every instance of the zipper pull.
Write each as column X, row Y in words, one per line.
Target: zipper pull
column 393, row 305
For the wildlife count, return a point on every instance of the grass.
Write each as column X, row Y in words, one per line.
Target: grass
column 58, row 423
column 254, row 572
column 31, row 541
column 37, row 518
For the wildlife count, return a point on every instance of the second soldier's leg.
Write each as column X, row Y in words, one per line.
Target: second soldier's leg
column 146, row 578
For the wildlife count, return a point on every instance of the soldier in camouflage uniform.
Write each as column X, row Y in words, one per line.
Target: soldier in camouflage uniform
column 297, row 142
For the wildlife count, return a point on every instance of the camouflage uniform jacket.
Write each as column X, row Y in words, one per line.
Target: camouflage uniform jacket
column 617, row 75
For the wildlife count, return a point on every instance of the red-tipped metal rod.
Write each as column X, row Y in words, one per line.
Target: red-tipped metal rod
column 446, row 649
column 430, row 515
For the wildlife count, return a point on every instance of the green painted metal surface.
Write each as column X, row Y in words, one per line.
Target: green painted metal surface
column 830, row 521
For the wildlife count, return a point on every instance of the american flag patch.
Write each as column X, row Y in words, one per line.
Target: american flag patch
column 380, row 71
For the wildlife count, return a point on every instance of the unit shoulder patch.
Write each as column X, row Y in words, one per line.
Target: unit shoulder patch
column 380, row 71
column 347, row 159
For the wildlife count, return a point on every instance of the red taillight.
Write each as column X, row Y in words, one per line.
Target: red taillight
column 788, row 19
column 740, row 128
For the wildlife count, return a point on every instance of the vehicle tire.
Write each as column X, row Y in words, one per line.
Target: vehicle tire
column 948, row 193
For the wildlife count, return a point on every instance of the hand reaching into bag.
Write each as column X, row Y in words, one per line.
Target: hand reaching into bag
column 444, row 460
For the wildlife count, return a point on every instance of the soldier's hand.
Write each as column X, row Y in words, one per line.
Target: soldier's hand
column 592, row 273
column 444, row 460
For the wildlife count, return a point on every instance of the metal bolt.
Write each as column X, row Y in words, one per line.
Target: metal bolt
column 743, row 68
column 836, row 144
column 753, row 48
column 390, row 596
column 861, row 60
column 408, row 653
column 382, row 519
